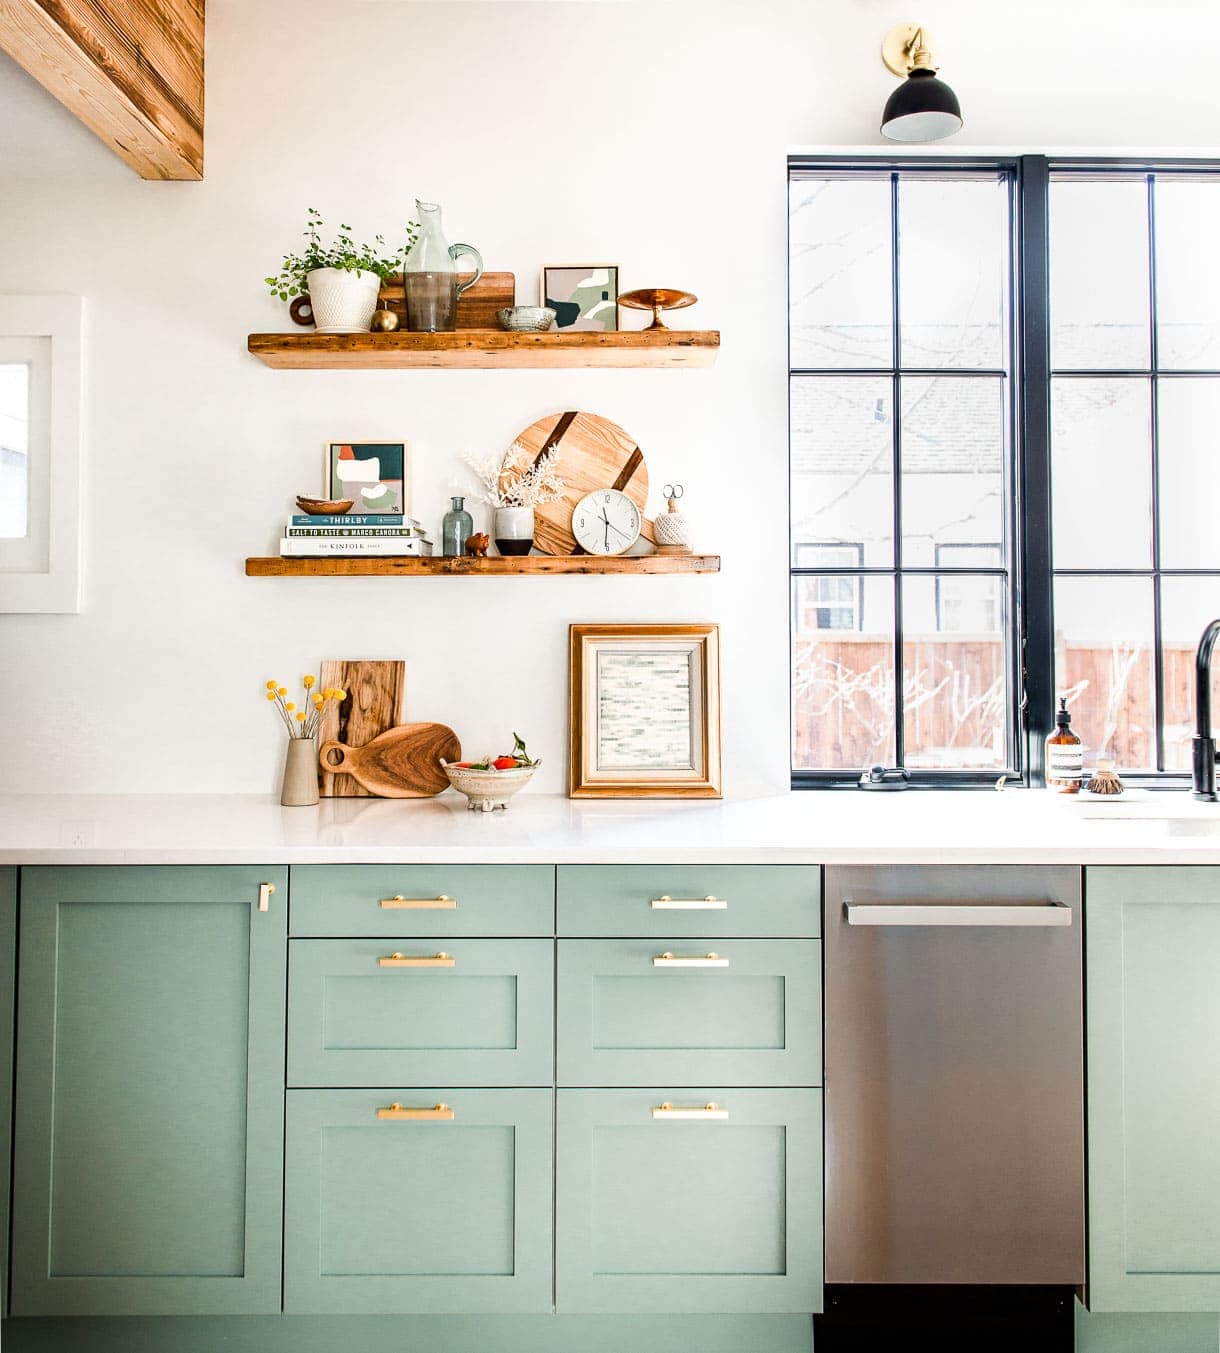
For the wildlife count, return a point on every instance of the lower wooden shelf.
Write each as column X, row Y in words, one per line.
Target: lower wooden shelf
column 273, row 566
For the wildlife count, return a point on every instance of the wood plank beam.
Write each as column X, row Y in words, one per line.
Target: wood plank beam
column 130, row 70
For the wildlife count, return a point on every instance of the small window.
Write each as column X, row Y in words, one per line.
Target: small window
column 39, row 453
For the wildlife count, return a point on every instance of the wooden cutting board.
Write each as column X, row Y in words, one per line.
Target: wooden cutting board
column 594, row 453
column 478, row 307
column 402, row 763
column 373, row 704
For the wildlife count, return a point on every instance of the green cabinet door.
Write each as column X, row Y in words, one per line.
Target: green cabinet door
column 418, row 1201
column 686, row 1200
column 446, row 1012
column 150, row 1073
column 674, row 1011
column 8, row 972
column 1153, row 1030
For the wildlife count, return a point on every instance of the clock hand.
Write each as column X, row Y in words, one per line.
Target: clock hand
column 607, row 521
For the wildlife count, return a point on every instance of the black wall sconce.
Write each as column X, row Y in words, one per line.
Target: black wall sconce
column 922, row 108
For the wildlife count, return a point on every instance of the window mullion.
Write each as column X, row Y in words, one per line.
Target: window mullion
column 1158, row 655
column 896, row 425
column 1036, row 584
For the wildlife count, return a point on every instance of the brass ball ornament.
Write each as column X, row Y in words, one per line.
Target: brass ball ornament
column 385, row 321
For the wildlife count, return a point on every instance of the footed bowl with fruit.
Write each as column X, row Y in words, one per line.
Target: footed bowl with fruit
column 490, row 783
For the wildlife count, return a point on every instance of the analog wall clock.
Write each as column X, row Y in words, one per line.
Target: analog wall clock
column 606, row 521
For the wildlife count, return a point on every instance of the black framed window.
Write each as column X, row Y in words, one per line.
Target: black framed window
column 902, row 287
column 1004, row 380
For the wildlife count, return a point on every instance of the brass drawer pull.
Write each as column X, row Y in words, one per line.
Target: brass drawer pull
column 708, row 903
column 397, row 960
column 264, row 895
column 400, row 903
column 668, row 960
column 441, row 1112
column 667, row 1110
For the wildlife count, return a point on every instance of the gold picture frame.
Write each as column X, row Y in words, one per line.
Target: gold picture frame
column 644, row 710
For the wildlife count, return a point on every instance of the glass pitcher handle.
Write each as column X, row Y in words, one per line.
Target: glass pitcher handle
column 454, row 251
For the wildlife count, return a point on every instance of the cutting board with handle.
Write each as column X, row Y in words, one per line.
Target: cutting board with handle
column 401, row 763
column 373, row 704
column 593, row 453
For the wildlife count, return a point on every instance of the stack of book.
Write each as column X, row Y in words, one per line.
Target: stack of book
column 354, row 535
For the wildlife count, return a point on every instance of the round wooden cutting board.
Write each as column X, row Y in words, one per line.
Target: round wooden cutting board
column 594, row 453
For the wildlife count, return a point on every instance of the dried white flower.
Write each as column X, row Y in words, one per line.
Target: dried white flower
column 517, row 480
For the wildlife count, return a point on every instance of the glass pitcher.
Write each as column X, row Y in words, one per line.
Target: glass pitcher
column 430, row 275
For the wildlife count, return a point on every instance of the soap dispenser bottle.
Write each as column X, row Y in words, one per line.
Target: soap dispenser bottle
column 1064, row 755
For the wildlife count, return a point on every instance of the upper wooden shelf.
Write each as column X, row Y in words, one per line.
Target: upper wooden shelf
column 487, row 348
column 273, row 566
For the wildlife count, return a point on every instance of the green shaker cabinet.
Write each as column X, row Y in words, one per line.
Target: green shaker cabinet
column 149, row 1126
column 688, row 1200
column 8, row 972
column 1153, row 974
column 418, row 1201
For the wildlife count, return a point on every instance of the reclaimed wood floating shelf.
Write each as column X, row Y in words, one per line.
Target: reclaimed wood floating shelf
column 412, row 567
column 487, row 349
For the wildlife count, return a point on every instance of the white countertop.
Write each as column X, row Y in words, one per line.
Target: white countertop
column 819, row 827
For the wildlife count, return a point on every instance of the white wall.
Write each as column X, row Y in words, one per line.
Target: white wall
column 651, row 134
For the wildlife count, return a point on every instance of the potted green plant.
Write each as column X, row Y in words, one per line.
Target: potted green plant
column 341, row 279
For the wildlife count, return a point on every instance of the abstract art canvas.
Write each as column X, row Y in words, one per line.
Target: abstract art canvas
column 583, row 298
column 372, row 474
column 645, row 709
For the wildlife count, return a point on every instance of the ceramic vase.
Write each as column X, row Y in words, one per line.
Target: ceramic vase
column 342, row 302
column 513, row 530
column 300, row 789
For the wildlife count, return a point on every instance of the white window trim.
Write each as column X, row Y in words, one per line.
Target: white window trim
column 58, row 588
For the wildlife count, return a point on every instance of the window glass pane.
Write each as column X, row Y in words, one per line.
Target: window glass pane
column 1187, row 607
column 1099, row 274
column 1189, row 417
column 14, row 450
column 843, row 672
column 955, row 683
column 952, row 464
column 840, row 293
column 953, row 271
column 1103, row 664
column 1188, row 272
column 842, row 439
column 1101, row 473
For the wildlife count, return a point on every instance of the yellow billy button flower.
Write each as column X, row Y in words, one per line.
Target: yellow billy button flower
column 290, row 706
column 270, row 695
column 271, row 685
column 309, row 682
column 318, row 702
column 281, row 690
column 301, row 717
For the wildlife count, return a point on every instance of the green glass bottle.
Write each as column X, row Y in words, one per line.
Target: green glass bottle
column 456, row 529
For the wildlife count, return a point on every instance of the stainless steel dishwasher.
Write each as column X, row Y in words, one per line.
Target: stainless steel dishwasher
column 954, row 1076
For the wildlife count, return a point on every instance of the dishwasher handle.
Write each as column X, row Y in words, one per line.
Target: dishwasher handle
column 1049, row 913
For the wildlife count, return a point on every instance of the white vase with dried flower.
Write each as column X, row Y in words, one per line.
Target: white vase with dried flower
column 513, row 486
column 299, row 788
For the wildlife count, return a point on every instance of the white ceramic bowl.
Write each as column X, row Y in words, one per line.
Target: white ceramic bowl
column 526, row 319
column 487, row 790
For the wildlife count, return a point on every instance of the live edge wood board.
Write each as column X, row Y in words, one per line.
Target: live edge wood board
column 487, row 348
column 272, row 566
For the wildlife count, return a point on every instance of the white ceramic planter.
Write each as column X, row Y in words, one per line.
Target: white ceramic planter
column 342, row 302
column 513, row 529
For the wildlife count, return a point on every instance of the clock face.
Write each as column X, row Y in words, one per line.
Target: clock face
column 606, row 522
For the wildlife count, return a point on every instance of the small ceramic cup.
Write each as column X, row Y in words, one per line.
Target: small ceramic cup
column 526, row 319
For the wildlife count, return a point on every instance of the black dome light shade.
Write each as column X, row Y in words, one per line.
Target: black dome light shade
column 922, row 108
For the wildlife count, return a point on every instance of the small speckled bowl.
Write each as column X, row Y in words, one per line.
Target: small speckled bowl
column 526, row 319
column 487, row 790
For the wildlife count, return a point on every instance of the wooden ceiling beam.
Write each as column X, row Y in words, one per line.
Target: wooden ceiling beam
column 131, row 70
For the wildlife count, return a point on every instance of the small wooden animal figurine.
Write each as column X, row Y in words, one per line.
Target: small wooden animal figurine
column 476, row 545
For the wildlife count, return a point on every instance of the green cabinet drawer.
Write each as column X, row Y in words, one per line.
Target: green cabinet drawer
column 150, row 1103
column 423, row 899
column 688, row 1211
column 405, row 1012
column 689, row 899
column 387, row 1215
column 1152, row 955
column 678, row 1011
